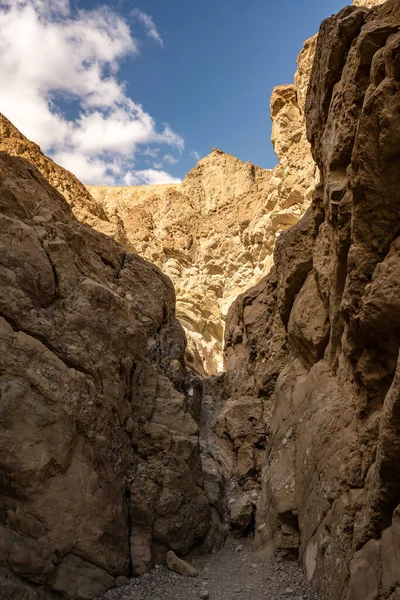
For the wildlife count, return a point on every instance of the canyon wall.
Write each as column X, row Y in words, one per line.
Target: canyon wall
column 103, row 466
column 100, row 469
column 312, row 350
column 214, row 233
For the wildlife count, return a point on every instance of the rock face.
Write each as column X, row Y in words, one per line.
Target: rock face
column 368, row 3
column 214, row 233
column 198, row 234
column 85, row 208
column 100, row 470
column 314, row 346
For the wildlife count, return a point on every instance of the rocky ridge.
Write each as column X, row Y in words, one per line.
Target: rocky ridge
column 313, row 348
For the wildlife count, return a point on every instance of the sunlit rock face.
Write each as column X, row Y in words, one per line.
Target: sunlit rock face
column 312, row 350
column 214, row 233
column 100, row 466
column 368, row 3
column 198, row 233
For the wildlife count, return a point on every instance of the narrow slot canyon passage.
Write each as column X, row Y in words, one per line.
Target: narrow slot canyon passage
column 233, row 573
column 131, row 467
column 235, row 569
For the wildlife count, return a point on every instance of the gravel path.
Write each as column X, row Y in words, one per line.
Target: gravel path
column 228, row 575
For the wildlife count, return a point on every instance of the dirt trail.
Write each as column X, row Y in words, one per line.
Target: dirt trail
column 227, row 575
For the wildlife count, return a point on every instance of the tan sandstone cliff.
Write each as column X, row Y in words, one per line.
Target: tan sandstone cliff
column 214, row 233
column 100, row 449
column 313, row 348
column 100, row 470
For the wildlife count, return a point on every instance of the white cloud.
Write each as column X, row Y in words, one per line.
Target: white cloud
column 195, row 155
column 148, row 23
column 52, row 55
column 169, row 159
column 153, row 152
column 95, row 171
column 149, row 176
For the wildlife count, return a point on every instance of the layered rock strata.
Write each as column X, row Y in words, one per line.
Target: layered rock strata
column 100, row 470
column 315, row 344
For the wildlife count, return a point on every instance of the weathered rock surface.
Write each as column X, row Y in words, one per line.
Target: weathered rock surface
column 85, row 208
column 198, row 234
column 368, row 3
column 214, row 233
column 100, row 470
column 318, row 339
column 180, row 566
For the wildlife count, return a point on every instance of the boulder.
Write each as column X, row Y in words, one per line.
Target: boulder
column 180, row 566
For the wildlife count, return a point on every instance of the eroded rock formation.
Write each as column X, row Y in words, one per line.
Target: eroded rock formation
column 100, row 468
column 314, row 346
column 85, row 208
column 214, row 233
column 103, row 468
column 198, row 234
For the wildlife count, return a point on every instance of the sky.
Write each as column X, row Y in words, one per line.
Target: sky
column 130, row 92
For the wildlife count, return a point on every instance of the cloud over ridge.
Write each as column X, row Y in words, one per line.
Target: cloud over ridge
column 55, row 58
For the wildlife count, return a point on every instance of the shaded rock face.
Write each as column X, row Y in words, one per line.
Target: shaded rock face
column 318, row 341
column 100, row 470
column 214, row 233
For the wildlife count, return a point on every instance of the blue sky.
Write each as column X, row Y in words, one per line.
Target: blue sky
column 221, row 59
column 134, row 91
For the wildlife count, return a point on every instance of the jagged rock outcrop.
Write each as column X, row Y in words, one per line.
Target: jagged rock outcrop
column 198, row 234
column 100, row 470
column 85, row 208
column 318, row 339
column 368, row 3
column 214, row 233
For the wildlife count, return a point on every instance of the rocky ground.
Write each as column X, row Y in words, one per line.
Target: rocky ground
column 235, row 573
